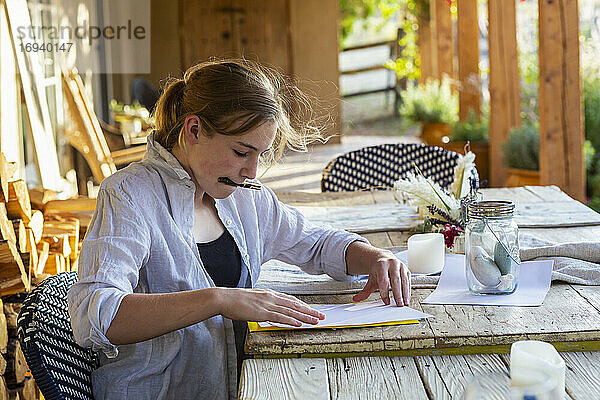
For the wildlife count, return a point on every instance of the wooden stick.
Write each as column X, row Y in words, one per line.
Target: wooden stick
column 18, row 205
column 59, row 244
column 11, row 268
column 21, row 234
column 3, row 178
column 43, row 252
column 79, row 204
column 36, row 224
column 7, row 230
column 40, row 196
column 3, row 335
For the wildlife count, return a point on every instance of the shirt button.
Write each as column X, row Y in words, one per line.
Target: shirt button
column 246, row 257
column 228, row 222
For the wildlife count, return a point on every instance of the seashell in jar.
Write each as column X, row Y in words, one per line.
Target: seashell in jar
column 483, row 267
column 502, row 259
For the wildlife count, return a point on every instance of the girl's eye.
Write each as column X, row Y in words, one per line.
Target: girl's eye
column 239, row 154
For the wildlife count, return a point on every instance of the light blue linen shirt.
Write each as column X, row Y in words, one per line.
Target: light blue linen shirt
column 140, row 241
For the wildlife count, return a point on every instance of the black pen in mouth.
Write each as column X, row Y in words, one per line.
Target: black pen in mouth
column 245, row 185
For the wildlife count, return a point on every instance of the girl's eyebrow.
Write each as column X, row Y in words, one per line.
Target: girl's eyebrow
column 248, row 146
column 252, row 147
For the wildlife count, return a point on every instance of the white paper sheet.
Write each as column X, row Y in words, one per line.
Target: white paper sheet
column 363, row 313
column 534, row 283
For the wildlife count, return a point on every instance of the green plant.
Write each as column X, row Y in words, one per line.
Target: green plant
column 352, row 11
column 413, row 13
column 471, row 130
column 430, row 103
column 522, row 149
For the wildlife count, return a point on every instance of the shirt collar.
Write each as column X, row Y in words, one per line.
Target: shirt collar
column 163, row 158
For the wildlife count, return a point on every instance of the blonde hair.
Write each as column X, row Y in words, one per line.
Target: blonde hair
column 231, row 97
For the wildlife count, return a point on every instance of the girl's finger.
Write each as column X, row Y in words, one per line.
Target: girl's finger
column 273, row 316
column 365, row 292
column 405, row 276
column 384, row 287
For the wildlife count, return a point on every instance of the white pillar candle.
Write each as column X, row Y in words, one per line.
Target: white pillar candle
column 426, row 253
column 530, row 356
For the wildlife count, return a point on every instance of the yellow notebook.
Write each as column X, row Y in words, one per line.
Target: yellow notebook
column 255, row 327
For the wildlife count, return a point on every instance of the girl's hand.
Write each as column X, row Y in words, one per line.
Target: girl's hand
column 384, row 272
column 265, row 305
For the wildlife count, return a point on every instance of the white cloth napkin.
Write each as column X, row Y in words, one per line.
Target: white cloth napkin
column 577, row 263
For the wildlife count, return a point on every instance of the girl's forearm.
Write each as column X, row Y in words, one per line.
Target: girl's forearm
column 145, row 316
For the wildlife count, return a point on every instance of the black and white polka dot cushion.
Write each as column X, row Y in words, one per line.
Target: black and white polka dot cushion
column 61, row 368
column 380, row 166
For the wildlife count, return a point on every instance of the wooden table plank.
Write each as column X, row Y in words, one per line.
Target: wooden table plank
column 375, row 378
column 549, row 193
column 325, row 199
column 566, row 319
column 447, row 377
column 284, row 379
column 583, row 374
column 368, row 218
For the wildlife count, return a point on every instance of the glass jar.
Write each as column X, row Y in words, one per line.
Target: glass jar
column 491, row 248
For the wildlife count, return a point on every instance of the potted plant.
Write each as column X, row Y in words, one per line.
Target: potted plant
column 521, row 156
column 473, row 132
column 434, row 106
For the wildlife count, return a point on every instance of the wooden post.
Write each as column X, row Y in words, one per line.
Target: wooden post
column 442, row 39
column 313, row 32
column 468, row 59
column 561, row 128
column 505, row 98
column 425, row 49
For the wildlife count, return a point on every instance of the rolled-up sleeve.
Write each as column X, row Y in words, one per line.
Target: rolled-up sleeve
column 290, row 237
column 116, row 246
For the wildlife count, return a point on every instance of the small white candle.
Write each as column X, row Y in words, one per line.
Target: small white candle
column 426, row 253
column 529, row 357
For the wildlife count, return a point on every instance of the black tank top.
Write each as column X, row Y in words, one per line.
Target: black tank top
column 222, row 260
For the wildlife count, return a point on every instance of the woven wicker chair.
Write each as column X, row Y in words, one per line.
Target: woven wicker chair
column 61, row 368
column 380, row 166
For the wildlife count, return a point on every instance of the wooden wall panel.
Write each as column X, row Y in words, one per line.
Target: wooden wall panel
column 468, row 58
column 314, row 55
column 442, row 35
column 504, row 82
column 561, row 128
column 260, row 32
column 206, row 30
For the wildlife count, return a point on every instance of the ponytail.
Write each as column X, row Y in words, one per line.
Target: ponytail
column 168, row 113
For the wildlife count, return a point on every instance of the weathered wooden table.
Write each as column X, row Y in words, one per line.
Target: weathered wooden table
column 437, row 357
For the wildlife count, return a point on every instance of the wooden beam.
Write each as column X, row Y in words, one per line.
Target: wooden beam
column 425, row 49
column 505, row 96
column 442, row 38
column 313, row 32
column 561, row 127
column 469, row 90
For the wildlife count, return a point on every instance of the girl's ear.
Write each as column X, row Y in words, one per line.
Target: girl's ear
column 192, row 129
